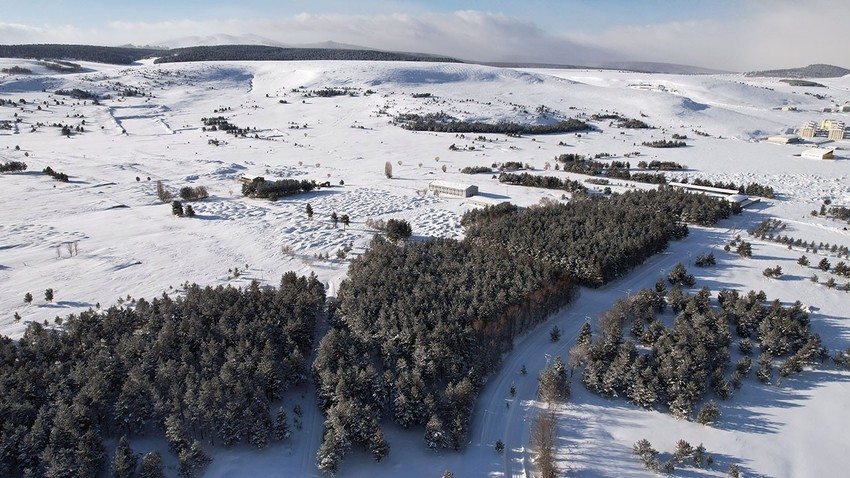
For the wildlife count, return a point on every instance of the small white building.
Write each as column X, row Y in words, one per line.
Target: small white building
column 453, row 189
column 484, row 201
column 818, row 153
column 246, row 179
column 784, row 139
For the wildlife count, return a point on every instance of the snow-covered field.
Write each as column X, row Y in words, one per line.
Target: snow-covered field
column 104, row 235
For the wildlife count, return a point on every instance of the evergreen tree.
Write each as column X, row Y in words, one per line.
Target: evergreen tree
column 48, row 295
column 585, row 336
column 555, row 334
column 378, row 445
column 124, row 461
column 190, row 211
column 824, row 264
column 309, row 210
column 435, row 436
column 803, row 261
column 280, row 429
column 175, row 434
column 709, row 413
column 28, row 298
column 334, row 219
column 345, row 221
column 679, row 276
column 152, row 466
column 699, row 456
column 647, row 455
column 683, row 450
column 176, row 208
column 331, row 452
column 193, row 460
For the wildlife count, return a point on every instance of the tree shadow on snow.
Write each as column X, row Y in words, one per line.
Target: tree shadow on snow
column 65, row 304
column 740, row 412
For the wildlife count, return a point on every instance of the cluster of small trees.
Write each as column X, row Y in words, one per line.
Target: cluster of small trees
column 177, row 209
column 632, row 123
column 705, row 260
column 442, row 122
column 77, row 94
column 840, row 212
column 742, row 247
column 661, row 165
column 416, row 331
column 13, row 167
column 684, row 453
column 16, row 70
column 56, row 175
column 189, row 193
column 664, row 143
column 476, row 170
column 683, row 362
column 576, row 163
column 220, row 123
column 599, row 239
column 750, row 189
column 328, row 92
column 205, row 367
column 548, row 182
column 276, row 189
column 840, row 269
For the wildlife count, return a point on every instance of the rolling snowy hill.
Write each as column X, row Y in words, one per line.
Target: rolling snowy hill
column 104, row 235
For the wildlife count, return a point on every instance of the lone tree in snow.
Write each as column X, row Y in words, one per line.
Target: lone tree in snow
column 309, row 210
column 48, row 295
column 388, row 170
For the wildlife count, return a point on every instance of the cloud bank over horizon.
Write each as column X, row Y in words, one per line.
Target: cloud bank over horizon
column 767, row 34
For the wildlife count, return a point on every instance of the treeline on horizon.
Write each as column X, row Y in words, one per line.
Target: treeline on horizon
column 98, row 54
column 269, row 53
column 129, row 55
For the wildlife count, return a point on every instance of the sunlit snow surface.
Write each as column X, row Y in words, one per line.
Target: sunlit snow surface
column 105, row 235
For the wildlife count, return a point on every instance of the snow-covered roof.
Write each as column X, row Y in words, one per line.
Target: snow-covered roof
column 817, row 153
column 451, row 185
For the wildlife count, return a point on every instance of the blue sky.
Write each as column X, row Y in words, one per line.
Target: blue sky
column 725, row 34
column 553, row 15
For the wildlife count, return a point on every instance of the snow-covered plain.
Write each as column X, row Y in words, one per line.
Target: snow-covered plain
column 105, row 236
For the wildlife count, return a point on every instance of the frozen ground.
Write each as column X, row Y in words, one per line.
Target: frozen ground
column 105, row 235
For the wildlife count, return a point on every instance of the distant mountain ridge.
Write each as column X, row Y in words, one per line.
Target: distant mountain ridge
column 272, row 53
column 98, row 54
column 817, row 70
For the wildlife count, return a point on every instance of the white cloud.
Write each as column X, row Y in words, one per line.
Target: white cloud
column 773, row 34
column 464, row 34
